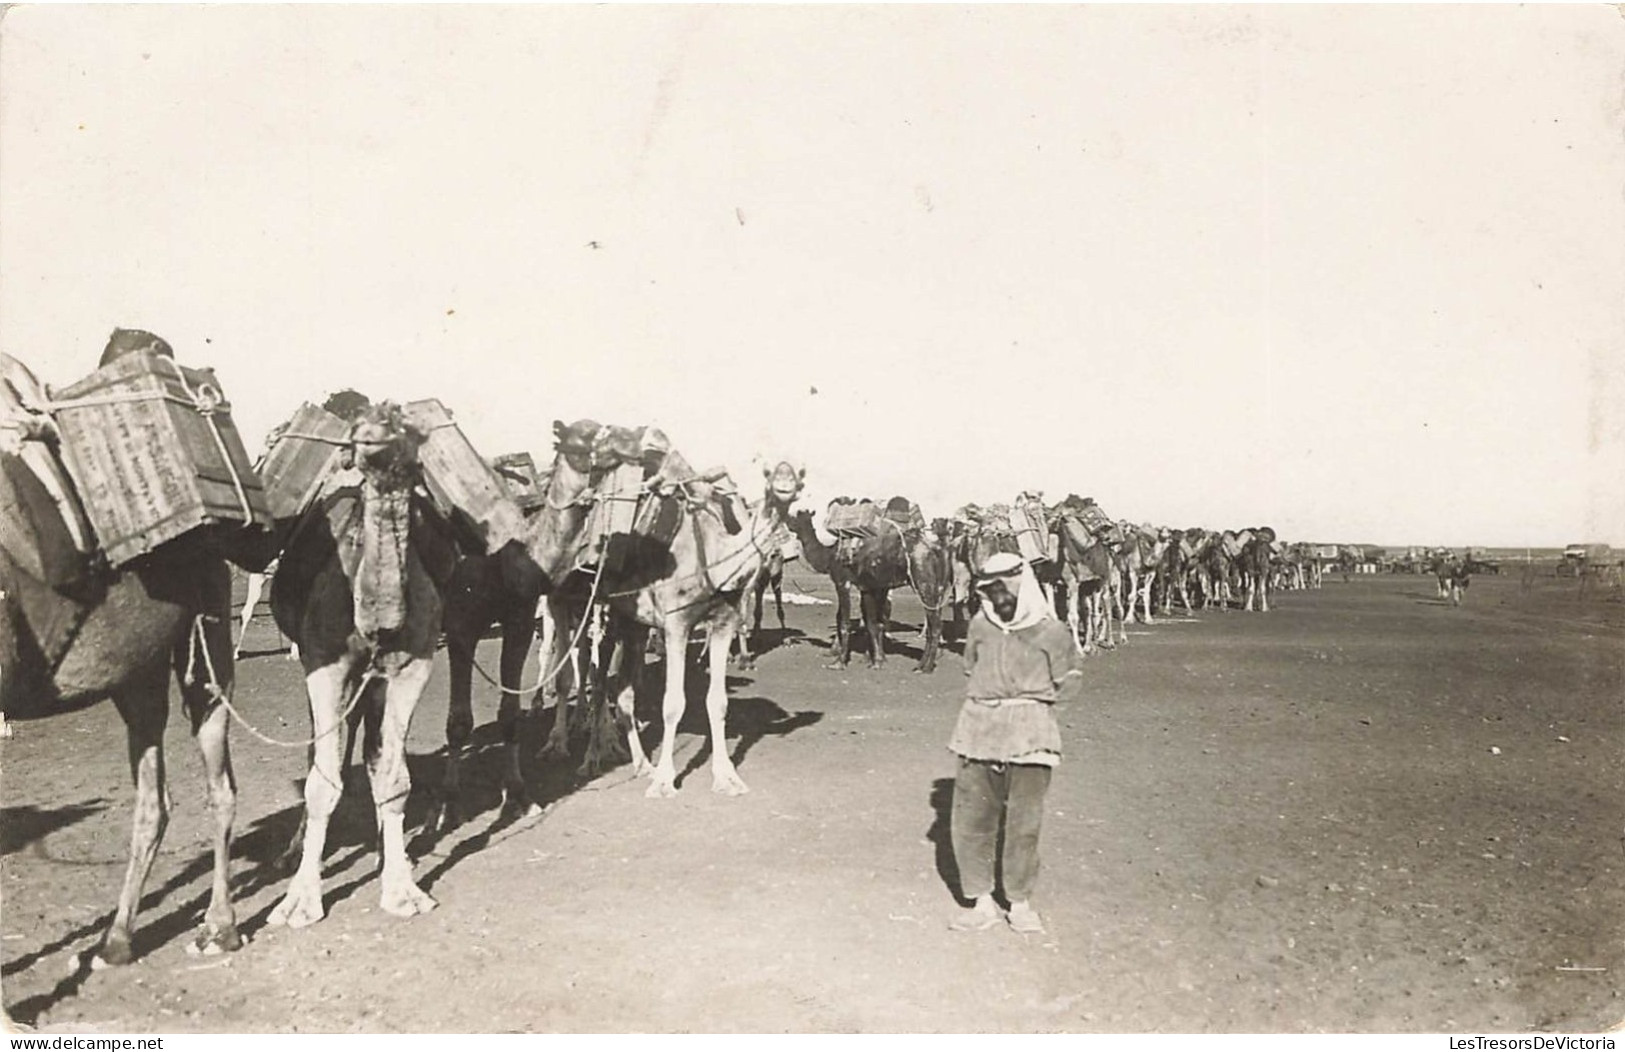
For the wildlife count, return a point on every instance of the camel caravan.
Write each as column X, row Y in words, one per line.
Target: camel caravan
column 126, row 498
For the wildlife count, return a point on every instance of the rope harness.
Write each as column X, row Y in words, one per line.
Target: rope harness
column 218, row 693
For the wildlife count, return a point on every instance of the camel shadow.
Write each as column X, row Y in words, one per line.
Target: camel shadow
column 21, row 826
column 751, row 719
column 258, row 845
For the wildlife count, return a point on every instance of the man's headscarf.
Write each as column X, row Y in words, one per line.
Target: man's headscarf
column 1012, row 569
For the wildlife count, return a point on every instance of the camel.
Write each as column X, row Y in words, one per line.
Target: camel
column 955, row 534
column 1139, row 555
column 705, row 573
column 506, row 588
column 360, row 588
column 895, row 556
column 1092, row 580
column 1254, row 564
column 119, row 635
column 1178, row 557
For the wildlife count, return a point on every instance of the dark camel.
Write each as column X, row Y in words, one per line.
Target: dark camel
column 505, row 588
column 894, row 557
column 360, row 588
column 168, row 611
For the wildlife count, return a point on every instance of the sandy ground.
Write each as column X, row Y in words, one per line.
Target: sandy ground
column 1362, row 812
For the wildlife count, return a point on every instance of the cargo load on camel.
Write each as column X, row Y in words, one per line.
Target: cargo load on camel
column 525, row 482
column 154, row 454
column 642, row 487
column 308, row 450
column 462, row 486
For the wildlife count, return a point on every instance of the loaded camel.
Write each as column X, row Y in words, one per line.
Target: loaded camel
column 360, row 588
column 707, row 569
column 69, row 638
column 894, row 556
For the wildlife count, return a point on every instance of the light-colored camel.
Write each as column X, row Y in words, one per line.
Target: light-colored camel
column 360, row 589
column 126, row 631
column 1092, row 580
column 709, row 569
column 1139, row 555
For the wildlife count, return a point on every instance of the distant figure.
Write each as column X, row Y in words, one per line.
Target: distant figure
column 1019, row 660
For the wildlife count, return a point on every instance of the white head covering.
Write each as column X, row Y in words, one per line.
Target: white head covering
column 1031, row 607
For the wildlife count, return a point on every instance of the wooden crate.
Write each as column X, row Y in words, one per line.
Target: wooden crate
column 519, row 473
column 1031, row 535
column 304, row 453
column 154, row 452
column 461, row 483
column 852, row 520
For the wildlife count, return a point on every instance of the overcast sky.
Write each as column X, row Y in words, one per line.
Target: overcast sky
column 1355, row 272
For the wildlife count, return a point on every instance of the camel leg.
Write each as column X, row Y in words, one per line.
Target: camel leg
column 874, row 620
column 210, row 723
column 663, row 777
column 144, row 705
column 778, row 605
column 724, row 778
column 302, row 905
column 517, row 634
column 841, row 645
column 1150, row 584
column 447, row 813
column 618, row 664
column 626, row 699
column 391, row 784
column 554, row 656
column 256, row 586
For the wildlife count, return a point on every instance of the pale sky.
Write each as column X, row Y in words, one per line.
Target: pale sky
column 1354, row 272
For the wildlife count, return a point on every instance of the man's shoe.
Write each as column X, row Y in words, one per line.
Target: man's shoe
column 1023, row 918
column 979, row 917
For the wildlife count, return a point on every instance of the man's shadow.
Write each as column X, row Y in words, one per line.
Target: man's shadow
column 940, row 834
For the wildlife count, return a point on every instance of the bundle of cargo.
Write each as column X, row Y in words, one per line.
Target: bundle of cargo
column 304, row 452
column 524, row 480
column 905, row 515
column 1032, row 535
column 852, row 518
column 154, row 454
column 614, row 509
column 461, row 484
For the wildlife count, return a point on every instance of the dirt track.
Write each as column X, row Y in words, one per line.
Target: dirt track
column 1287, row 822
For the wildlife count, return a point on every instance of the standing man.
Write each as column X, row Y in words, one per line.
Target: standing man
column 1020, row 661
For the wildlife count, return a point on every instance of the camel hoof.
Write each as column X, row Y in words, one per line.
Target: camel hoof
column 660, row 790
column 729, row 785
column 212, row 940
column 407, row 900
column 837, row 666
column 114, row 952
column 300, row 908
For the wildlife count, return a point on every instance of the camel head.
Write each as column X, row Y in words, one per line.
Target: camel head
column 385, row 446
column 574, row 443
column 784, row 483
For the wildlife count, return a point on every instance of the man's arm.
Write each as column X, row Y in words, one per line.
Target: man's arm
column 1064, row 669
